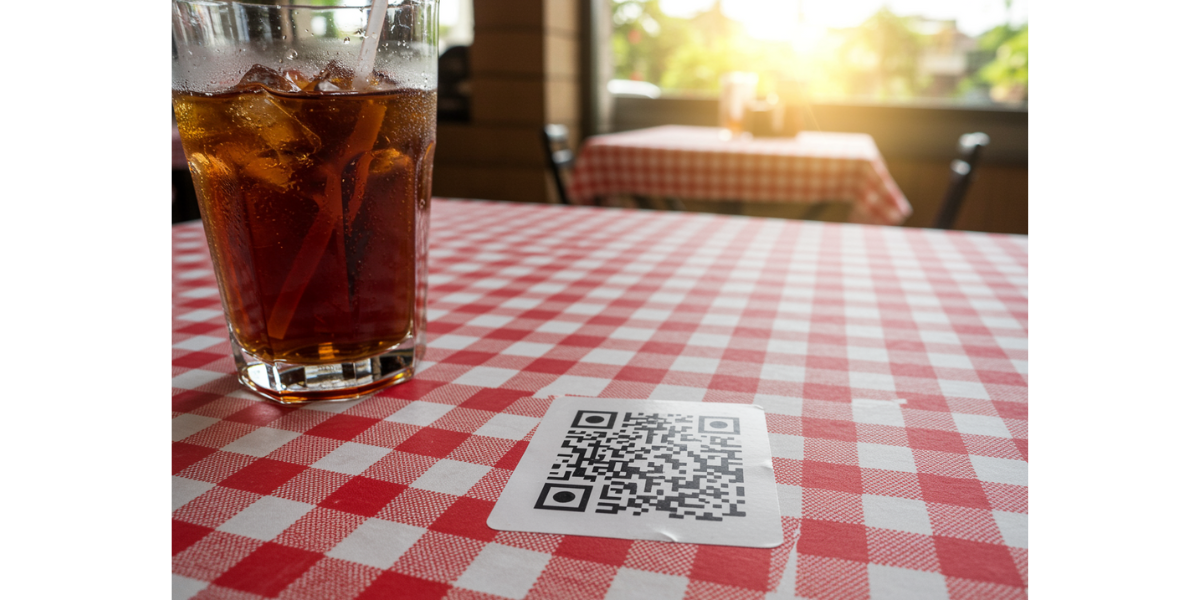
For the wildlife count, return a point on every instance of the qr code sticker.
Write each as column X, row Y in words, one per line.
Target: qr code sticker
column 687, row 466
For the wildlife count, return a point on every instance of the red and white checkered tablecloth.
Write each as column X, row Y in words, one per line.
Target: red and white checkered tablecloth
column 892, row 365
column 695, row 163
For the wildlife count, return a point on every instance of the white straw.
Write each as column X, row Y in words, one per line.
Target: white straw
column 366, row 55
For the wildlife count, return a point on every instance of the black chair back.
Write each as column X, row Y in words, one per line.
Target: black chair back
column 559, row 157
column 454, row 85
column 962, row 173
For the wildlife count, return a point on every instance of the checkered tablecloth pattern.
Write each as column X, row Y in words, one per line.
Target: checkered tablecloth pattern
column 695, row 163
column 892, row 365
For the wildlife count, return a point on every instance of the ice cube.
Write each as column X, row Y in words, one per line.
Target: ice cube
column 198, row 164
column 266, row 165
column 214, row 177
column 381, row 81
column 284, row 143
column 272, row 170
column 275, row 125
column 328, row 86
column 301, row 80
column 265, row 77
column 388, row 160
column 335, row 77
column 237, row 154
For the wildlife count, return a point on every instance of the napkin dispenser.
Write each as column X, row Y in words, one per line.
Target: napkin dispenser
column 767, row 118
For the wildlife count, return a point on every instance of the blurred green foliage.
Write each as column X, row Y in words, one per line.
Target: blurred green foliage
column 882, row 54
column 880, row 60
column 1008, row 73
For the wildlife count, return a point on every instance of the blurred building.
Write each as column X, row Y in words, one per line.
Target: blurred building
column 946, row 61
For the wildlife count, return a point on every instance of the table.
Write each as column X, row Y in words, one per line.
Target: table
column 696, row 163
column 892, row 365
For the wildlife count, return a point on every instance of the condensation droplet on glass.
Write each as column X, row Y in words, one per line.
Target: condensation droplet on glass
column 346, row 41
column 292, row 55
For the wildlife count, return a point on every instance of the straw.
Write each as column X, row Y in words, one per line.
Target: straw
column 331, row 216
column 366, row 55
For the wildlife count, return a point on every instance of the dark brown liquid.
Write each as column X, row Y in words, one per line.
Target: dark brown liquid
column 316, row 208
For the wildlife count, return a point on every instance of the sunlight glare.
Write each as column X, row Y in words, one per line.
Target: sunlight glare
column 766, row 19
column 448, row 13
column 780, row 19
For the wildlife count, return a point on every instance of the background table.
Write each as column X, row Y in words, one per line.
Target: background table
column 891, row 364
column 695, row 163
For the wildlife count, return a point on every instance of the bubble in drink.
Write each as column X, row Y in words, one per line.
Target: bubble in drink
column 316, row 205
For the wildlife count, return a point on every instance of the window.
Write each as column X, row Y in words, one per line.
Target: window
column 956, row 52
column 456, row 23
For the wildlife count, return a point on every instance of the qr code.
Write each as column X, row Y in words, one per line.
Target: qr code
column 683, row 465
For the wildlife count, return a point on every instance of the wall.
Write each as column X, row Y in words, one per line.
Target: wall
column 525, row 74
column 997, row 201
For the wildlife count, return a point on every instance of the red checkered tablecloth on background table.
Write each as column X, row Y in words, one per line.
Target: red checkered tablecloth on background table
column 696, row 163
column 891, row 364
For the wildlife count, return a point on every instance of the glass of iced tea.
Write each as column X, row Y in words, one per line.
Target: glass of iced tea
column 310, row 132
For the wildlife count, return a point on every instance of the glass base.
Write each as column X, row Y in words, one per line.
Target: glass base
column 289, row 383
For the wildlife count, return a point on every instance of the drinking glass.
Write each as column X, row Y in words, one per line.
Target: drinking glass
column 737, row 92
column 310, row 133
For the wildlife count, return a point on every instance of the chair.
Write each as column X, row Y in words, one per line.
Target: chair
column 561, row 161
column 454, row 85
column 962, row 173
column 184, row 206
column 559, row 157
